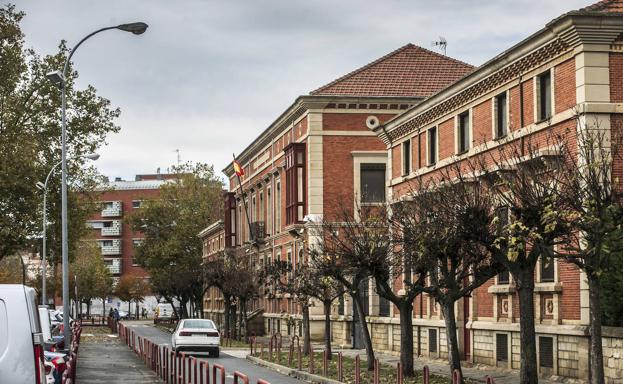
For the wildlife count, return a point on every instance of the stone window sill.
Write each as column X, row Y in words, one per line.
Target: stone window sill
column 502, row 289
column 548, row 287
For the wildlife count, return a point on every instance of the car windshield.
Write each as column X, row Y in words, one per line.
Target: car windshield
column 199, row 324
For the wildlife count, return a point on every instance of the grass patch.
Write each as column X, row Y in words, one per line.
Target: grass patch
column 99, row 335
column 387, row 373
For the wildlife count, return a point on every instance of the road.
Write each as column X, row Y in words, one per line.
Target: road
column 232, row 360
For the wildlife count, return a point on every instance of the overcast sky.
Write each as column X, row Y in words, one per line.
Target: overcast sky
column 208, row 76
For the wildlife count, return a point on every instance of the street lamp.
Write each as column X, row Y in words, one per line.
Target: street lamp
column 44, row 187
column 59, row 79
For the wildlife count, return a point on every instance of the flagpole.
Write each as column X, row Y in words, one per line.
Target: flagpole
column 246, row 210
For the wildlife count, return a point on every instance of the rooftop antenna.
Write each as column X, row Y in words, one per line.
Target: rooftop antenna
column 442, row 43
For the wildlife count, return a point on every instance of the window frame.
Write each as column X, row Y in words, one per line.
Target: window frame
column 296, row 183
column 428, row 146
column 406, row 157
column 459, row 127
column 539, row 115
column 372, row 167
column 496, row 117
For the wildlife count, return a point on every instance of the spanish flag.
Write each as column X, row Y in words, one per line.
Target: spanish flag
column 238, row 169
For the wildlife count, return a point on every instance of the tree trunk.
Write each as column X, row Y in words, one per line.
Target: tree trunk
column 233, row 318
column 596, row 368
column 406, row 338
column 454, row 356
column 367, row 341
column 327, row 327
column 240, row 325
column 129, row 307
column 306, row 331
column 226, row 313
column 104, row 307
column 528, row 372
column 245, row 317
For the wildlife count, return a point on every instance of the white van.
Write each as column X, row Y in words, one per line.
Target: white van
column 164, row 311
column 21, row 340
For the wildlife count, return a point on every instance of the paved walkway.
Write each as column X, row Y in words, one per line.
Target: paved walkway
column 111, row 362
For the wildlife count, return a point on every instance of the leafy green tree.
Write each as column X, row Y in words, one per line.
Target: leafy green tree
column 91, row 274
column 30, row 131
column 171, row 251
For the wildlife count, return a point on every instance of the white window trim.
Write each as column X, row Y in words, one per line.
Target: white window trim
column 402, row 157
column 470, row 135
column 494, row 117
column 536, row 91
column 428, row 163
column 368, row 157
column 509, row 349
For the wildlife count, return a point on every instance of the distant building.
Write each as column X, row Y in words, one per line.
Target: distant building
column 118, row 200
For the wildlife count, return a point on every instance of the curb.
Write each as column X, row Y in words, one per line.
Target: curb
column 292, row 372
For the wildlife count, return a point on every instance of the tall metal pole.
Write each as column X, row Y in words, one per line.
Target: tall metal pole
column 65, row 254
column 44, row 268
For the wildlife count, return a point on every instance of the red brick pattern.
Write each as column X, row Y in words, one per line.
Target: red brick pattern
column 408, row 71
column 482, row 123
column 564, row 86
column 616, row 77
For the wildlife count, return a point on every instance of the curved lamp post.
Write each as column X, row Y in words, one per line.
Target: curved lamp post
column 44, row 187
column 58, row 78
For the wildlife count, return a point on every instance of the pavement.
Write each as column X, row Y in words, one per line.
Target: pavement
column 232, row 360
column 111, row 362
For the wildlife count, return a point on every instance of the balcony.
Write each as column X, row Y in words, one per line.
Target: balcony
column 112, row 209
column 113, row 230
column 258, row 231
column 114, row 266
column 111, row 247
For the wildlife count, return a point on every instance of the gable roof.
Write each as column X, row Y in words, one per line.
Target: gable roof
column 609, row 6
column 408, row 71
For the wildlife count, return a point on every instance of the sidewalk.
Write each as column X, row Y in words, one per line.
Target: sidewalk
column 110, row 361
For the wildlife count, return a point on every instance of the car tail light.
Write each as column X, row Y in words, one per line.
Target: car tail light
column 39, row 365
column 184, row 333
column 212, row 334
column 48, row 369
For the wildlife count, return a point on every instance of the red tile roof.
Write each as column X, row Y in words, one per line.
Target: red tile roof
column 610, row 6
column 408, row 71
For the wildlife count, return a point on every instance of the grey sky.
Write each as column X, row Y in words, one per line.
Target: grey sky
column 208, row 76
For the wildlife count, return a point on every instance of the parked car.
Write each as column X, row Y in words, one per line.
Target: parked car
column 196, row 335
column 163, row 311
column 20, row 336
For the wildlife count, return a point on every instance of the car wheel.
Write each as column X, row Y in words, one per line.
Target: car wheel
column 216, row 352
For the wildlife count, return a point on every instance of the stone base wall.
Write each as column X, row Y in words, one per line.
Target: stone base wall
column 569, row 354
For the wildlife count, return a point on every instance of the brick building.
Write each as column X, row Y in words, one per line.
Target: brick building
column 327, row 149
column 319, row 153
column 119, row 199
column 572, row 66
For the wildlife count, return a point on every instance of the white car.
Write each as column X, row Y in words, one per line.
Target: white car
column 196, row 335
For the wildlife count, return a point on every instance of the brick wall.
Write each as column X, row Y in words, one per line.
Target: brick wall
column 564, row 86
column 569, row 274
column 616, row 77
column 482, row 122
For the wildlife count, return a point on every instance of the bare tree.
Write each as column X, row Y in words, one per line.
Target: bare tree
column 595, row 214
column 531, row 212
column 347, row 247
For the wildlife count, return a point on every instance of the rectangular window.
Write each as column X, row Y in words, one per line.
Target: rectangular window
column 253, row 213
column 278, row 207
column 501, row 115
column 295, row 183
column 431, row 142
column 546, row 352
column 544, row 92
column 504, row 277
column 383, row 306
column 260, row 214
column 372, row 183
column 501, row 347
column 547, row 269
column 406, row 157
column 269, row 212
column 463, row 133
column 340, row 306
column 137, row 203
column 432, row 340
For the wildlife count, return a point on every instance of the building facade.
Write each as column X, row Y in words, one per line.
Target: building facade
column 118, row 200
column 319, row 154
column 411, row 114
column 564, row 78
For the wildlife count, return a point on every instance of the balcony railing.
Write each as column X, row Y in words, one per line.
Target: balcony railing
column 258, row 231
column 114, row 249
column 113, row 230
column 115, row 267
column 112, row 209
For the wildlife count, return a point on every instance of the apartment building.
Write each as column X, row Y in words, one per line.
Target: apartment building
column 574, row 65
column 319, row 154
column 119, row 198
